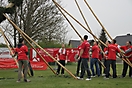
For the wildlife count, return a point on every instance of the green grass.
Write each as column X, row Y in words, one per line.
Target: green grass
column 49, row 80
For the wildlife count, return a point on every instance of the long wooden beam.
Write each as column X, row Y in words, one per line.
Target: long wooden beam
column 17, row 28
column 98, row 19
column 83, row 26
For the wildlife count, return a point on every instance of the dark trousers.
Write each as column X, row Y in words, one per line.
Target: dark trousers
column 100, row 67
column 31, row 69
column 113, row 64
column 125, row 67
column 85, row 67
column 59, row 67
column 105, row 66
column 78, row 67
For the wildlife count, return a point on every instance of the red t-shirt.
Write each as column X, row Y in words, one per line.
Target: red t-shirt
column 124, row 48
column 79, row 49
column 95, row 51
column 131, row 56
column 22, row 52
column 85, row 46
column 62, row 54
column 100, row 55
column 106, row 52
column 112, row 49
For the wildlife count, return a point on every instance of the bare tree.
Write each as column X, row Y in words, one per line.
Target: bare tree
column 41, row 20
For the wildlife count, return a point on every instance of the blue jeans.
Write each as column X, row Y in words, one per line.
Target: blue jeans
column 92, row 62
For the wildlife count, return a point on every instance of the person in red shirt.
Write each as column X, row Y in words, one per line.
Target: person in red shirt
column 84, row 55
column 106, row 56
column 79, row 61
column 128, row 55
column 22, row 51
column 94, row 59
column 62, row 58
column 112, row 50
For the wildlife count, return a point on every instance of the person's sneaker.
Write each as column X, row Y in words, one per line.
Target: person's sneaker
column 62, row 74
column 88, row 79
column 27, row 80
column 122, row 77
column 79, row 78
column 18, row 81
column 93, row 76
column 113, row 77
column 106, row 78
column 103, row 74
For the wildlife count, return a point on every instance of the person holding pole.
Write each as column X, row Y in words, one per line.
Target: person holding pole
column 94, row 60
column 84, row 55
column 112, row 50
column 22, row 51
column 128, row 51
column 105, row 56
column 79, row 61
column 62, row 58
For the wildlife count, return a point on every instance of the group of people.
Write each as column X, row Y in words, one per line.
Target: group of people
column 97, row 54
column 86, row 54
column 94, row 54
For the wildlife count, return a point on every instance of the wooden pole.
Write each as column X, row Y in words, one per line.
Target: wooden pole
column 81, row 24
column 38, row 46
column 77, row 21
column 37, row 52
column 100, row 22
column 88, row 28
column 97, row 19
column 8, row 46
column 83, row 17
column 11, row 45
column 6, row 41
column 70, row 23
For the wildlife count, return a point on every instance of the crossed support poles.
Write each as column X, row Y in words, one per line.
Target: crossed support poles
column 89, row 30
column 78, row 21
column 60, row 8
column 27, row 38
column 6, row 41
column 126, row 60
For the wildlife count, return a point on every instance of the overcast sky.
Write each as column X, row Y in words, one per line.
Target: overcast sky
column 115, row 15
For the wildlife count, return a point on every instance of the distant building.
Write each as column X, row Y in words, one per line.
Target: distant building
column 121, row 40
column 76, row 43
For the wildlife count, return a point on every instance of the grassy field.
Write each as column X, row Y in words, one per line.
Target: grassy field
column 47, row 79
